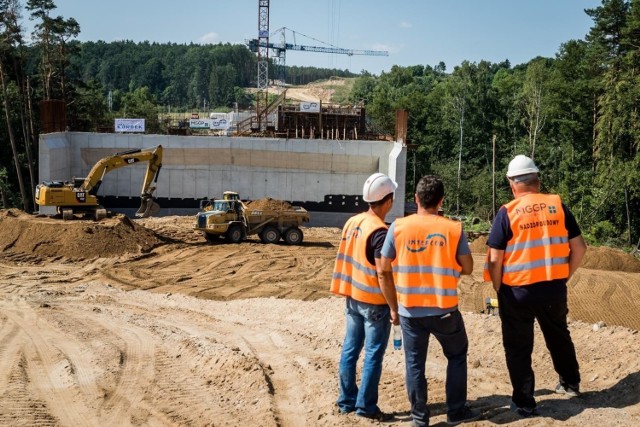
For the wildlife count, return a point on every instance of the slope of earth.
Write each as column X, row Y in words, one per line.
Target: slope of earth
column 121, row 340
column 334, row 90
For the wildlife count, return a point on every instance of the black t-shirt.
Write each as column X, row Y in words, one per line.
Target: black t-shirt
column 547, row 291
column 374, row 245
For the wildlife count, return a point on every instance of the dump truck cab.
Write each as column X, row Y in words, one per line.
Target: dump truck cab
column 222, row 218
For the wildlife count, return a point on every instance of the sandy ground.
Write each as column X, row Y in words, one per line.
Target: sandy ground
column 179, row 332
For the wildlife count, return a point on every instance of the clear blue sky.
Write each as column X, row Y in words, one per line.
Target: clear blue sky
column 413, row 31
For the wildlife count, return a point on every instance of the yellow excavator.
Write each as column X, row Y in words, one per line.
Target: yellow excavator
column 78, row 196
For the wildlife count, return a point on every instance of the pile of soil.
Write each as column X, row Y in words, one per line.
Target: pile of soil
column 269, row 204
column 596, row 258
column 605, row 258
column 479, row 245
column 22, row 234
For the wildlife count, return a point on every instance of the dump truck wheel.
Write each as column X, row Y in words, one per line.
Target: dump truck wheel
column 293, row 236
column 234, row 234
column 211, row 238
column 270, row 235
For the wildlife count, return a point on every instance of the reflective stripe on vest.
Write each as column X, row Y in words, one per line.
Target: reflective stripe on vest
column 539, row 248
column 426, row 271
column 353, row 274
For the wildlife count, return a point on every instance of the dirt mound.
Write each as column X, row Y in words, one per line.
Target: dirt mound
column 596, row 258
column 269, row 204
column 605, row 258
column 37, row 237
column 479, row 245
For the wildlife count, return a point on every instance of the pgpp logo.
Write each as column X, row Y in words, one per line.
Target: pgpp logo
column 553, row 210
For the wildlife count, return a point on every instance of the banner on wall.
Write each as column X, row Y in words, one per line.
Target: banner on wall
column 218, row 123
column 310, row 107
column 129, row 125
column 200, row 124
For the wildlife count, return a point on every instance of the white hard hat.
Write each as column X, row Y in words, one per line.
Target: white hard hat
column 521, row 165
column 376, row 187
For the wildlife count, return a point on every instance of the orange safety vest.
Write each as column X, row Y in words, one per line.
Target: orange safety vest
column 353, row 274
column 539, row 248
column 426, row 271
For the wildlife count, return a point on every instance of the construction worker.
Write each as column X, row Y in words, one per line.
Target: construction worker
column 535, row 245
column 355, row 276
column 427, row 253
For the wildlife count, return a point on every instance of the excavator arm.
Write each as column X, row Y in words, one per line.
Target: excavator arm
column 153, row 157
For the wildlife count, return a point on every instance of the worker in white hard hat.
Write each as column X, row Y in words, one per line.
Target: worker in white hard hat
column 535, row 245
column 355, row 276
column 423, row 257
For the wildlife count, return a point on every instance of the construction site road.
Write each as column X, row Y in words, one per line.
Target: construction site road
column 179, row 332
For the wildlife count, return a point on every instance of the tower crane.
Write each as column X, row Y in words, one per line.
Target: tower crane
column 281, row 48
column 261, row 45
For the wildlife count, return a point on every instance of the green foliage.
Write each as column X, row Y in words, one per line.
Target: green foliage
column 577, row 114
column 141, row 103
column 476, row 225
column 602, row 230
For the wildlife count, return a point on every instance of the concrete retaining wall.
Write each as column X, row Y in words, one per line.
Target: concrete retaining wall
column 321, row 175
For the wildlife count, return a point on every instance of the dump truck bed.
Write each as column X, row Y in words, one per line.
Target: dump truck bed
column 257, row 218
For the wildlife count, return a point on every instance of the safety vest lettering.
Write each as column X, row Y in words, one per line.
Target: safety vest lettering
column 536, row 224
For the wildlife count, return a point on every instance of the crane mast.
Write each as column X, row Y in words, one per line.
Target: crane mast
column 262, row 99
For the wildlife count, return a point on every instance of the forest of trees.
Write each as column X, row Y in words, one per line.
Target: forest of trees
column 575, row 114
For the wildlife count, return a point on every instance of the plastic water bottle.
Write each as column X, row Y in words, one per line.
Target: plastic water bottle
column 397, row 337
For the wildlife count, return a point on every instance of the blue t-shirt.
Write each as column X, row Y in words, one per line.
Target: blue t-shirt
column 540, row 292
column 389, row 251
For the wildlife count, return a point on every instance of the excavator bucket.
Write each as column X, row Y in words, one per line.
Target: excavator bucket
column 148, row 208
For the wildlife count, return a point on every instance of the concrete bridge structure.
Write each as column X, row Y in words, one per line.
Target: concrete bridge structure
column 324, row 176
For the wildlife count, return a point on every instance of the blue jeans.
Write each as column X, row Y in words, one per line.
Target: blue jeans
column 367, row 325
column 450, row 332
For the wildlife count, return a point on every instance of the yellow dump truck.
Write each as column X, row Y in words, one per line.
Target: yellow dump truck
column 234, row 220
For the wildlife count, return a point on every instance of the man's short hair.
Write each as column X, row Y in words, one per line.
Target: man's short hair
column 381, row 201
column 430, row 190
column 527, row 179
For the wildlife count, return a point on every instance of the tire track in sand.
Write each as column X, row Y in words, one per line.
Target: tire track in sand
column 46, row 368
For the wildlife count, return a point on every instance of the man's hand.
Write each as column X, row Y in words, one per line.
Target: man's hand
column 494, row 262
column 387, row 286
column 577, row 249
column 395, row 318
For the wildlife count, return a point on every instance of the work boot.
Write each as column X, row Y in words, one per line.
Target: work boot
column 465, row 415
column 569, row 390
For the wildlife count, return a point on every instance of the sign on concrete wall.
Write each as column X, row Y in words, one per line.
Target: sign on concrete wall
column 200, row 123
column 129, row 125
column 215, row 124
column 310, row 107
